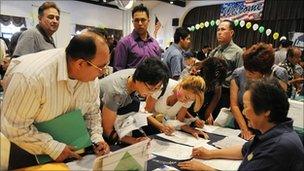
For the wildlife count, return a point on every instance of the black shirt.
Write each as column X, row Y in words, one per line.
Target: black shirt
column 280, row 148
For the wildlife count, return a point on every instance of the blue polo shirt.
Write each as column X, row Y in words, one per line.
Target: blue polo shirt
column 280, row 148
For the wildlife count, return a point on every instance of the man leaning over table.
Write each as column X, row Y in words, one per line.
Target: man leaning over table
column 41, row 89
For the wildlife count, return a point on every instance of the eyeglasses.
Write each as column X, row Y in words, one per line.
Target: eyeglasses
column 97, row 67
column 142, row 20
column 151, row 89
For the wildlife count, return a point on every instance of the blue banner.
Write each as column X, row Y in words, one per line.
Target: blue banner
column 244, row 10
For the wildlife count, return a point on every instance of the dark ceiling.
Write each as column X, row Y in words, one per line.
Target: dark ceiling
column 109, row 3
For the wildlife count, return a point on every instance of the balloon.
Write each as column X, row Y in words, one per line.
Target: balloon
column 275, row 35
column 192, row 28
column 236, row 22
column 217, row 22
column 206, row 24
column 242, row 23
column 248, row 25
column 212, row 22
column 197, row 26
column 268, row 32
column 255, row 27
column 261, row 29
column 283, row 38
column 202, row 24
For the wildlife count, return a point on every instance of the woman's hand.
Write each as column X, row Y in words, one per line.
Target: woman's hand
column 199, row 123
column 201, row 153
column 168, row 130
column 194, row 165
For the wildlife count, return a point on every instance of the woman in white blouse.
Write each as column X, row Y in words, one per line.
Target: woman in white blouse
column 174, row 103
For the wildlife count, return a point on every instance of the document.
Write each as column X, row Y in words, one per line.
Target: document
column 296, row 112
column 171, row 150
column 229, row 142
column 86, row 163
column 222, row 164
column 125, row 124
column 184, row 138
column 68, row 128
column 220, row 130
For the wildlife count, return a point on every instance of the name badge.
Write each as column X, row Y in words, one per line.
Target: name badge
column 250, row 156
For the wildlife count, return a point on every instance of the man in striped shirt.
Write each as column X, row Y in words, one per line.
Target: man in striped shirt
column 40, row 89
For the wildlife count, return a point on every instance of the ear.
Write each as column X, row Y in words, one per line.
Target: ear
column 39, row 18
column 232, row 33
column 267, row 115
column 78, row 64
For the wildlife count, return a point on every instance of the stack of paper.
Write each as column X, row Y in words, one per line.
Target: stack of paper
column 220, row 130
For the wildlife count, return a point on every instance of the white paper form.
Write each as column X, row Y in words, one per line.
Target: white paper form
column 184, row 138
column 296, row 112
column 86, row 163
column 171, row 150
column 220, row 130
column 229, row 142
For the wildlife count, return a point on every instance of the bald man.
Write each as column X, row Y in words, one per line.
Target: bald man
column 42, row 86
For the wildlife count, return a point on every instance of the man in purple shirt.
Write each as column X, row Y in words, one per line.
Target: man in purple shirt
column 137, row 46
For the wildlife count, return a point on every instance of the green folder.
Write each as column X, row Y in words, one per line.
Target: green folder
column 69, row 128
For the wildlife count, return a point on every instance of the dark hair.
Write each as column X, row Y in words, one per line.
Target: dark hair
column 45, row 6
column 285, row 43
column 213, row 70
column 268, row 95
column 81, row 47
column 180, row 33
column 152, row 71
column 291, row 52
column 231, row 24
column 259, row 58
column 140, row 8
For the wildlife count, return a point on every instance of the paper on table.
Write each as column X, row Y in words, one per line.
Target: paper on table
column 229, row 142
column 165, row 168
column 184, row 138
column 222, row 164
column 86, row 163
column 124, row 124
column 296, row 113
column 171, row 150
column 220, row 130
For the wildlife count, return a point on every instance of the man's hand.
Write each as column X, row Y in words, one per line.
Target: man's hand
column 68, row 152
column 246, row 134
column 199, row 123
column 101, row 148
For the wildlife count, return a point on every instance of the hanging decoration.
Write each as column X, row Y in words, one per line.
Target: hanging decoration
column 241, row 23
column 255, row 27
column 248, row 25
column 261, row 29
column 275, row 35
column 268, row 32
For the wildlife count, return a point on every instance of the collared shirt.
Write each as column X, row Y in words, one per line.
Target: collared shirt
column 280, row 56
column 37, row 89
column 33, row 40
column 132, row 50
column 280, row 148
column 174, row 59
column 232, row 54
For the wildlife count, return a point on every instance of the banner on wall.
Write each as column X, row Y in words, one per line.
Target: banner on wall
column 244, row 10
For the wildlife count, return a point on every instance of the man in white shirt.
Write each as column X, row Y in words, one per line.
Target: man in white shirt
column 41, row 86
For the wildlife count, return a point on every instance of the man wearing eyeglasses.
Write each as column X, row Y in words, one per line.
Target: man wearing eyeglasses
column 117, row 94
column 42, row 86
column 137, row 46
column 40, row 38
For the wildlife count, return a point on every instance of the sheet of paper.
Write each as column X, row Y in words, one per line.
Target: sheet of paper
column 184, row 138
column 296, row 112
column 229, row 142
column 165, row 168
column 222, row 164
column 171, row 150
column 86, row 163
column 220, row 130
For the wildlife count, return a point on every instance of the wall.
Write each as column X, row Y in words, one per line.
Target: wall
column 81, row 13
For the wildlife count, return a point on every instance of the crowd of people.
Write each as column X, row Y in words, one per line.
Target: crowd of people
column 42, row 82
